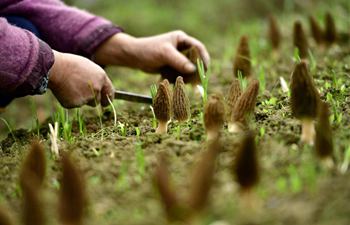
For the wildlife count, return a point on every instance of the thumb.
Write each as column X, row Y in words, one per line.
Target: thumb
column 179, row 62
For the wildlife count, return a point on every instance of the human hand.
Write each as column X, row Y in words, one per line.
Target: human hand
column 150, row 54
column 76, row 81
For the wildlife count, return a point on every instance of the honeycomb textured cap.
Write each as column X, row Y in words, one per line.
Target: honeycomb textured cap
column 331, row 31
column 324, row 138
column 300, row 40
column 233, row 95
column 246, row 102
column 274, row 33
column 162, row 103
column 304, row 95
column 181, row 103
column 246, row 168
column 242, row 59
column 214, row 113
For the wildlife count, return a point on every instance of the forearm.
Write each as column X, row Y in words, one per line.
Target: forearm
column 66, row 29
column 24, row 62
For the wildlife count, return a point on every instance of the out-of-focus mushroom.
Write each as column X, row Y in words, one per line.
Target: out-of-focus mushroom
column 330, row 34
column 233, row 95
column 214, row 116
column 274, row 34
column 316, row 30
column 300, row 40
column 241, row 62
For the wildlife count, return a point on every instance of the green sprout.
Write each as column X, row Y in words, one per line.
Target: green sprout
column 122, row 182
column 313, row 64
column 62, row 116
column 154, row 119
column 262, row 80
column 242, row 80
column 140, row 160
column 262, row 131
column 9, row 128
column 122, row 129
column 153, row 90
column 204, row 80
column 81, row 123
column 344, row 166
column 296, row 56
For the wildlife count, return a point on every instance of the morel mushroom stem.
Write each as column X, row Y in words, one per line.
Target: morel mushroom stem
column 307, row 131
column 162, row 127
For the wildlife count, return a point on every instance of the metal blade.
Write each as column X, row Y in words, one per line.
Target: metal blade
column 132, row 97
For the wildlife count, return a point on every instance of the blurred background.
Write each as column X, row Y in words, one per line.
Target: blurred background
column 217, row 23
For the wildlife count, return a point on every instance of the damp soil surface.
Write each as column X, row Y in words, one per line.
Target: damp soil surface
column 118, row 161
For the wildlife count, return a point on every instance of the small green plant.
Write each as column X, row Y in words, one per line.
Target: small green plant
column 153, row 90
column 140, row 160
column 262, row 131
column 114, row 111
column 122, row 182
column 122, row 129
column 262, row 80
column 138, row 132
column 80, row 121
column 344, row 166
column 272, row 101
column 294, row 179
column 296, row 56
column 204, row 80
column 62, row 116
column 242, row 81
column 9, row 128
column 154, row 119
column 313, row 63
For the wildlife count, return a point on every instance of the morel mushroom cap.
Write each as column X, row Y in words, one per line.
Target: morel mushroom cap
column 300, row 40
column 202, row 176
column 168, row 196
column 242, row 59
column 162, row 103
column 246, row 168
column 34, row 166
column 316, row 30
column 324, row 139
column 32, row 213
column 304, row 95
column 246, row 102
column 274, row 33
column 5, row 218
column 72, row 196
column 330, row 35
column 193, row 55
column 214, row 114
column 181, row 103
column 233, row 95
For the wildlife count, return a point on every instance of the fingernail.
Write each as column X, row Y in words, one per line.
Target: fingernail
column 190, row 68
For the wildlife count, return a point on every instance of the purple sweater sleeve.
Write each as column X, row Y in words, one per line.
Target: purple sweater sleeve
column 24, row 61
column 66, row 29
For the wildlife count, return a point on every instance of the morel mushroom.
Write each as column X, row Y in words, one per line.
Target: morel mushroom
column 5, row 218
column 34, row 165
column 304, row 101
column 233, row 95
column 31, row 179
column 274, row 33
column 246, row 169
column 300, row 40
column 241, row 63
column 193, row 55
column 316, row 30
column 72, row 196
column 214, row 116
column 181, row 103
column 168, row 195
column 330, row 34
column 202, row 176
column 324, row 139
column 162, row 107
column 244, row 107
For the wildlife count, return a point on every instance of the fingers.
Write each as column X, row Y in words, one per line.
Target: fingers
column 178, row 61
column 183, row 39
column 107, row 92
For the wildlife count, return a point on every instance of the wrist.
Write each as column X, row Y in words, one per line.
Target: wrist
column 117, row 50
column 54, row 71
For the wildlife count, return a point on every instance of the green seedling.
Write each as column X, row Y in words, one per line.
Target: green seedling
column 81, row 123
column 294, row 179
column 313, row 63
column 204, row 80
column 140, row 160
column 114, row 111
column 272, row 101
column 153, row 90
column 36, row 119
column 262, row 80
column 296, row 56
column 344, row 166
column 154, row 119
column 122, row 129
column 262, row 131
column 9, row 128
column 122, row 182
column 242, row 81
column 138, row 132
